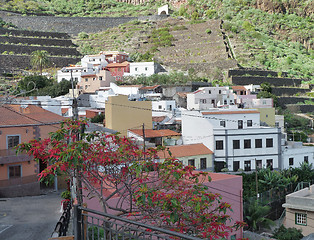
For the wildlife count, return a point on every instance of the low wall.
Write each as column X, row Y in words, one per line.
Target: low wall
column 27, row 33
column 21, row 49
column 254, row 72
column 300, row 108
column 30, row 189
column 289, row 91
column 238, row 80
column 23, row 62
column 284, row 101
column 37, row 41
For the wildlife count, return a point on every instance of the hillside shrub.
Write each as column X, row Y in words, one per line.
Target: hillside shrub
column 83, row 35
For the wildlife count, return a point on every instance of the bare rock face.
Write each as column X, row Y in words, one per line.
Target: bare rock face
column 290, row 6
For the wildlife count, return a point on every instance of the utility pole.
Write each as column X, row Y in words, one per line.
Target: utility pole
column 256, row 180
column 144, row 147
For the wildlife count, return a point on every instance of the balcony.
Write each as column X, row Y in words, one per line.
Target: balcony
column 8, row 156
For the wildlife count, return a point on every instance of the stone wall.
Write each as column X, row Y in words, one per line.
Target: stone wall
column 23, row 62
column 246, row 80
column 254, row 72
column 70, row 25
column 37, row 41
column 30, row 189
column 300, row 108
column 282, row 101
column 23, row 49
column 282, row 91
column 29, row 33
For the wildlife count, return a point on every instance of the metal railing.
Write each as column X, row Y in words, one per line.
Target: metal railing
column 94, row 225
column 63, row 223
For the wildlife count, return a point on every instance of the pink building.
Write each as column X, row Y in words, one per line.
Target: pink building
column 228, row 186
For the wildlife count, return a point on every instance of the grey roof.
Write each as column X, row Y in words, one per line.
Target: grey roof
column 92, row 127
column 309, row 237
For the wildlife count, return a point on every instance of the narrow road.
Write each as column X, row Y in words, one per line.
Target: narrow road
column 29, row 218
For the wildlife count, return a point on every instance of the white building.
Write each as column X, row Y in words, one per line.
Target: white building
column 209, row 97
column 164, row 106
column 142, row 68
column 294, row 153
column 236, row 136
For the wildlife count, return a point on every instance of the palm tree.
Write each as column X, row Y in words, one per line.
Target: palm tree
column 39, row 59
column 255, row 215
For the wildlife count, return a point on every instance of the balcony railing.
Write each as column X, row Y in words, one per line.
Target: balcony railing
column 10, row 156
column 94, row 225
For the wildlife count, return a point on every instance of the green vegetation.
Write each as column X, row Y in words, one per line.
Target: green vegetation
column 39, row 59
column 44, row 86
column 283, row 233
column 98, row 119
column 266, row 93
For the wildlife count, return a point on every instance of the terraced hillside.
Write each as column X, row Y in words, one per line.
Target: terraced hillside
column 16, row 47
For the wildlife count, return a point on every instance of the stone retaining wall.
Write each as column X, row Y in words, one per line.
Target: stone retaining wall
column 29, row 33
column 283, row 101
column 23, row 62
column 37, row 41
column 21, row 49
column 254, row 72
column 300, row 108
column 243, row 80
column 282, row 91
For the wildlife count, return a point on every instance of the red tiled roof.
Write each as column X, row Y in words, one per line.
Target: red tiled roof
column 64, row 110
column 149, row 87
column 138, row 86
column 238, row 88
column 123, row 64
column 158, row 119
column 185, row 151
column 150, row 133
column 89, row 75
column 17, row 115
column 230, row 112
column 197, row 91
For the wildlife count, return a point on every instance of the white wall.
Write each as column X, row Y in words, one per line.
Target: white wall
column 165, row 105
column 298, row 154
column 142, row 68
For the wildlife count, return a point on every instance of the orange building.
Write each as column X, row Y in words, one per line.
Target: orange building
column 22, row 123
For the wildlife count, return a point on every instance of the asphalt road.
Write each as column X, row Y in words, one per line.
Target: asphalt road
column 29, row 218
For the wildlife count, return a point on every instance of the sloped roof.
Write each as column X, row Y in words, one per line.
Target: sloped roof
column 150, row 133
column 88, row 75
column 239, row 88
column 158, row 119
column 17, row 115
column 150, row 87
column 123, row 64
column 182, row 94
column 185, row 151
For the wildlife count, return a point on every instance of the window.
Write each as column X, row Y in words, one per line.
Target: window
column 247, row 165
column 236, row 144
column 240, row 124
column 259, row 164
column 219, row 145
column 94, row 79
column 306, row 159
column 225, row 102
column 249, row 123
column 86, row 79
column 290, row 161
column 300, row 219
column 136, row 69
column 247, row 143
column 159, row 107
column 219, row 91
column 203, row 163
column 15, row 171
column 209, row 92
column 269, row 142
column 146, row 68
column 13, row 141
column 86, row 86
column 213, row 101
column 202, row 100
column 276, row 124
column 100, row 78
column 269, row 163
column 191, row 162
column 258, row 143
column 223, row 123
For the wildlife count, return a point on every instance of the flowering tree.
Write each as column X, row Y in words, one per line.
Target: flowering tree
column 166, row 194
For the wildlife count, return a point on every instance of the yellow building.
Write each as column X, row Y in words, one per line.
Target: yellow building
column 122, row 114
column 267, row 115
